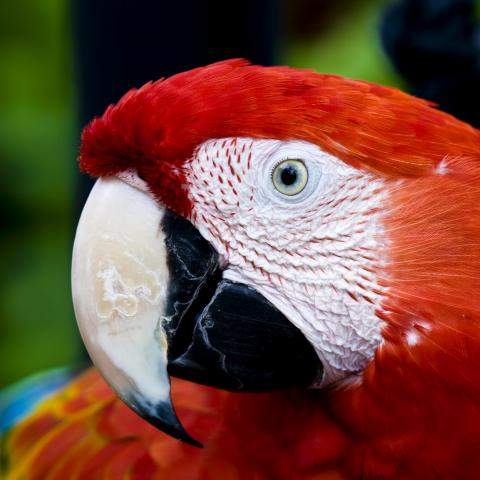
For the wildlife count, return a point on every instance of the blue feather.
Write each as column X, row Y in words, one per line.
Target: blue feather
column 18, row 400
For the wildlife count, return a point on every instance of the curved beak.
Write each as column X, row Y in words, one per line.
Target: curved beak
column 150, row 301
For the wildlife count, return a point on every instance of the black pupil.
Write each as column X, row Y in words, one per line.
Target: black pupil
column 289, row 175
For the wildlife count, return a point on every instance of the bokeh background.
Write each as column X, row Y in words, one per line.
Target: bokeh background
column 62, row 62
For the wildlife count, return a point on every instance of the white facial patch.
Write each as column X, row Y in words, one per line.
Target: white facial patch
column 313, row 255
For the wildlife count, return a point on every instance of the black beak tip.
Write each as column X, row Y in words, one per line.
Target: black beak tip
column 163, row 416
column 166, row 420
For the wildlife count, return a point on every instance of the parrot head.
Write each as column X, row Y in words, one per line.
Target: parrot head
column 256, row 228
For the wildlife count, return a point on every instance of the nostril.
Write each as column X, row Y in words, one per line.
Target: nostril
column 132, row 178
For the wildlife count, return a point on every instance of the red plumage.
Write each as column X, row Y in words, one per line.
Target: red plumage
column 416, row 414
column 87, row 433
column 156, row 128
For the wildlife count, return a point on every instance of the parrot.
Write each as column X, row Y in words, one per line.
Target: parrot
column 276, row 275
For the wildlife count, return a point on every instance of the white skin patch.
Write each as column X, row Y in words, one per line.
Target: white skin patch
column 412, row 337
column 313, row 254
column 442, row 167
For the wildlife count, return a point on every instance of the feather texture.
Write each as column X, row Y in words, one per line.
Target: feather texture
column 85, row 432
column 156, row 128
column 415, row 412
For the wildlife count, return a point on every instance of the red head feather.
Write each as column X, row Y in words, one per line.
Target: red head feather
column 156, row 128
column 415, row 414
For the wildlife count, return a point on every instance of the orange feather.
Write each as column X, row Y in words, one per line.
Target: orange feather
column 102, row 439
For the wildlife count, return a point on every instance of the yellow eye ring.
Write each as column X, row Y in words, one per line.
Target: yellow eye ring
column 290, row 176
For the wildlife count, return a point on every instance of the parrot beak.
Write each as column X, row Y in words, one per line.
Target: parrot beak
column 150, row 301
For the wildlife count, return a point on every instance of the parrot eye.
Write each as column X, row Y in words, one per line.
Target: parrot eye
column 290, row 176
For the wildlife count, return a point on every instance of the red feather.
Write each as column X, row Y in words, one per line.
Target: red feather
column 287, row 435
column 156, row 128
column 416, row 412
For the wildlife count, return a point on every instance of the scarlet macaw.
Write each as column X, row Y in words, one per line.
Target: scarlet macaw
column 268, row 229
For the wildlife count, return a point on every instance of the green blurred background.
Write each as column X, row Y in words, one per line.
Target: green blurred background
column 38, row 139
column 37, row 150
